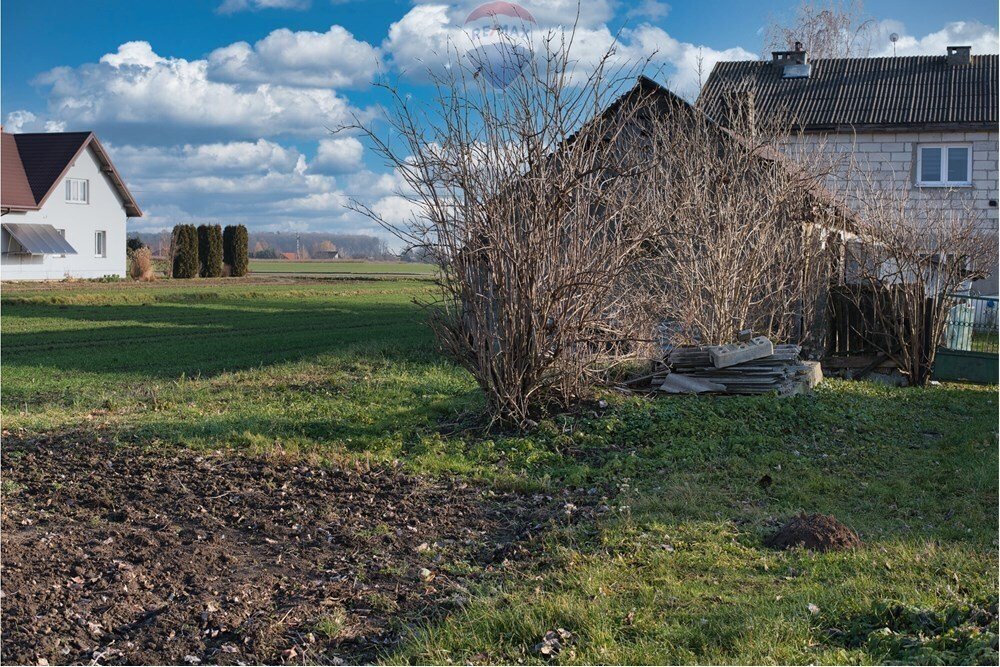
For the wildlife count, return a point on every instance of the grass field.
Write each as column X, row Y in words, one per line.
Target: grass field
column 341, row 267
column 671, row 569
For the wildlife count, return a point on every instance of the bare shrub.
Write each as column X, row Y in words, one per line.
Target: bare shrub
column 827, row 29
column 743, row 243
column 528, row 205
column 913, row 255
column 140, row 265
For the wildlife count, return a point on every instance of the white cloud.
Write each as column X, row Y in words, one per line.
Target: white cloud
column 429, row 38
column 160, row 97
column 304, row 58
column 982, row 38
column 685, row 66
column 653, row 10
column 25, row 121
column 422, row 40
column 338, row 155
column 238, row 157
column 263, row 184
column 233, row 6
column 396, row 210
column 20, row 121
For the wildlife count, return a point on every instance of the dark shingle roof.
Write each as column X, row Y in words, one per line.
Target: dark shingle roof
column 45, row 157
column 842, row 93
column 34, row 163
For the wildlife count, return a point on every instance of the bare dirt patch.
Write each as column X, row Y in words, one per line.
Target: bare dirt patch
column 115, row 555
column 819, row 532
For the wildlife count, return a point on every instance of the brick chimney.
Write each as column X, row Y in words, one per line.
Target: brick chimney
column 959, row 55
column 794, row 64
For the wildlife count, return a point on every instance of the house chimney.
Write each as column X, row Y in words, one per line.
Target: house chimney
column 794, row 64
column 959, row 55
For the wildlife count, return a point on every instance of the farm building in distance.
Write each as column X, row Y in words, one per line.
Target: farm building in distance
column 64, row 208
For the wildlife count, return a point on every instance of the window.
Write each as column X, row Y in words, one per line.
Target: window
column 77, row 190
column 101, row 244
column 944, row 165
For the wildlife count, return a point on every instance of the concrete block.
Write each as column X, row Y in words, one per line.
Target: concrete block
column 724, row 356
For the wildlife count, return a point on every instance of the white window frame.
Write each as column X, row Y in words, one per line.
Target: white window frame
column 944, row 182
column 100, row 248
column 84, row 187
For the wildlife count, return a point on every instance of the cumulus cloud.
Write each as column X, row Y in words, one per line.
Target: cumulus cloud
column 982, row 38
column 303, row 58
column 654, row 10
column 234, row 6
column 20, row 121
column 429, row 38
column 338, row 155
column 159, row 97
column 397, row 210
column 423, row 40
column 238, row 157
column 25, row 121
column 263, row 184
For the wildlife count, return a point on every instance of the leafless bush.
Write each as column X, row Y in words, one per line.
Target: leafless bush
column 828, row 29
column 913, row 254
column 526, row 201
column 140, row 265
column 743, row 243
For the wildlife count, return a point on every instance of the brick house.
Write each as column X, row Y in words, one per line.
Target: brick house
column 929, row 123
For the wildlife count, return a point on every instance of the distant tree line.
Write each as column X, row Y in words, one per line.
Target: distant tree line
column 311, row 245
column 317, row 245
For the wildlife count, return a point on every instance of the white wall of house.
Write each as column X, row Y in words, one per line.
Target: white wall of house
column 104, row 211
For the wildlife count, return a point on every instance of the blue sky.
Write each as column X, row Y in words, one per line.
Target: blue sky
column 217, row 109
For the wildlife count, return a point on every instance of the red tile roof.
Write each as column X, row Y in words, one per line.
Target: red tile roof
column 16, row 192
column 37, row 163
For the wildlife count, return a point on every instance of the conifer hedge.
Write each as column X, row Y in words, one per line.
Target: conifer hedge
column 210, row 251
column 236, row 249
column 185, row 251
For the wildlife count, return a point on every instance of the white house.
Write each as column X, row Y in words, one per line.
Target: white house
column 63, row 208
column 925, row 123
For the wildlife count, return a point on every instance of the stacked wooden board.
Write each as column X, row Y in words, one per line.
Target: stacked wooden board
column 765, row 369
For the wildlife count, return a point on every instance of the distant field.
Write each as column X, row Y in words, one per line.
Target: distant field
column 319, row 267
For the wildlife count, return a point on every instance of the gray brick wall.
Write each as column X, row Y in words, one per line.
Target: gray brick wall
column 891, row 158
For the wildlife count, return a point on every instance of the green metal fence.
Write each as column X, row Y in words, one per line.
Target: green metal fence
column 972, row 325
column 969, row 347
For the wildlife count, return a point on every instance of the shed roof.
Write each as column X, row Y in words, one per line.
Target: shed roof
column 858, row 93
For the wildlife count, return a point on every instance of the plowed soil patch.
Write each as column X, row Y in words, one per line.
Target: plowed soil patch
column 116, row 555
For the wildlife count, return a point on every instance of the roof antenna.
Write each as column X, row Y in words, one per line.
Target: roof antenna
column 893, row 38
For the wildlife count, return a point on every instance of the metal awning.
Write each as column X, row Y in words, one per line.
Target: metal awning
column 38, row 239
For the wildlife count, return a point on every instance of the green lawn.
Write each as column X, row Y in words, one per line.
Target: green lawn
column 673, row 570
column 342, row 267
